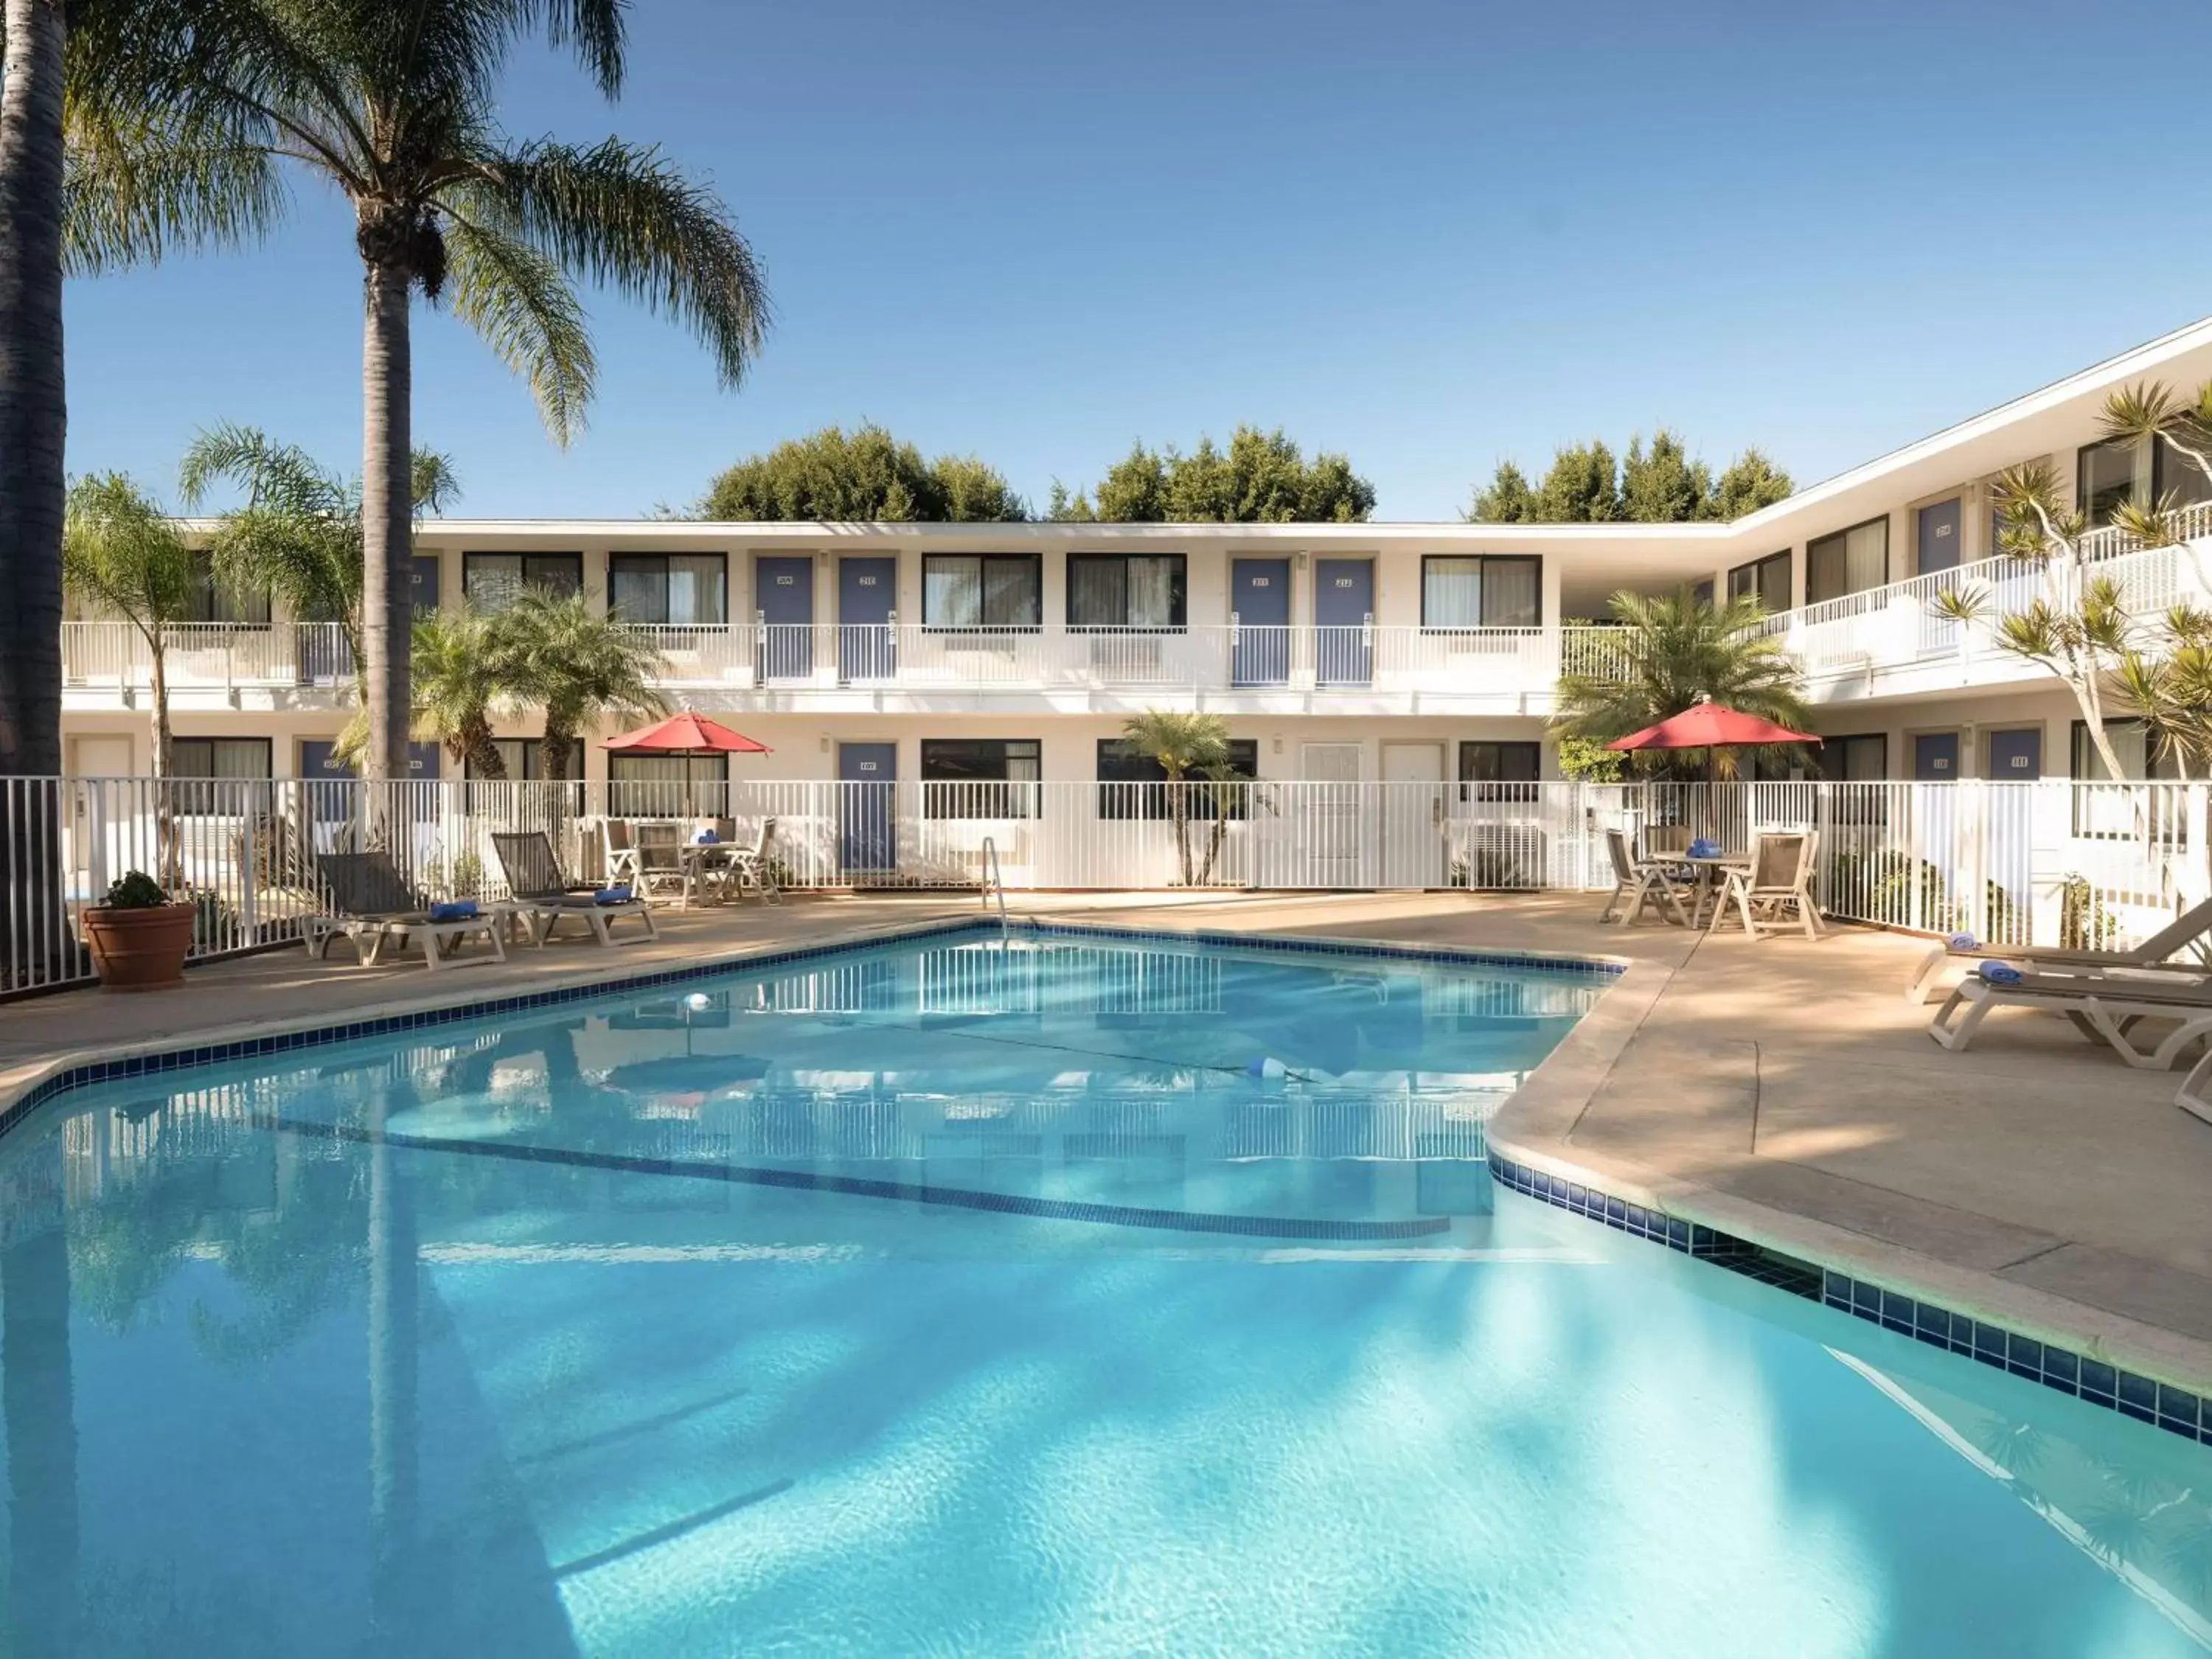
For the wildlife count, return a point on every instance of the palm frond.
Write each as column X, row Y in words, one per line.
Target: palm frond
column 437, row 482
column 624, row 216
column 133, row 196
column 122, row 553
column 2143, row 410
column 521, row 306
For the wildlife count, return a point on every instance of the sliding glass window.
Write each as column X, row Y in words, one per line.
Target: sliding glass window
column 676, row 590
column 207, row 771
column 985, row 590
column 1127, row 590
column 1766, row 579
column 981, row 777
column 2120, row 470
column 1850, row 562
column 1483, row 589
column 495, row 580
column 213, row 601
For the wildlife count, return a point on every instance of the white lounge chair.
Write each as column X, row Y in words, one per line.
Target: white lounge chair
column 1773, row 889
column 543, row 895
column 2189, row 927
column 2105, row 1007
column 371, row 904
column 1638, row 883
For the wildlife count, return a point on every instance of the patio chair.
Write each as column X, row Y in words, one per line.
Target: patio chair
column 1638, row 883
column 1773, row 889
column 751, row 866
column 546, row 897
column 372, row 905
column 2189, row 928
column 661, row 860
column 2105, row 1007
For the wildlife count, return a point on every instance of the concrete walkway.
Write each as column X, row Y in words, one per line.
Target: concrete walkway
column 1780, row 1091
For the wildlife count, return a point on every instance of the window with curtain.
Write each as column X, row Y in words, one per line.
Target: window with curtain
column 1850, row 562
column 1134, row 590
column 987, row 590
column 1499, row 771
column 525, row 760
column 1125, row 783
column 206, row 769
column 657, row 786
column 1766, row 579
column 981, row 777
column 1481, row 590
column 495, row 580
column 679, row 589
column 2123, row 814
column 2112, row 474
column 1858, row 759
column 212, row 601
column 2180, row 480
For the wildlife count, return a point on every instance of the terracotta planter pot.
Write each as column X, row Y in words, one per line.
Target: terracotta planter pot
column 139, row 950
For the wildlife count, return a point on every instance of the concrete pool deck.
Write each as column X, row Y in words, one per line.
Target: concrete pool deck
column 1780, row 1091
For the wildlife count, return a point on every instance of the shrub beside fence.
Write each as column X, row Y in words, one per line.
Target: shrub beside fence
column 2051, row 862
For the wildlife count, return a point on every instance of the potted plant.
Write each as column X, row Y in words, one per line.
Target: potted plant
column 139, row 938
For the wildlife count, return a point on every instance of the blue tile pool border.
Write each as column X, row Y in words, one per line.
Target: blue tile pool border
column 2161, row 1405
column 90, row 1072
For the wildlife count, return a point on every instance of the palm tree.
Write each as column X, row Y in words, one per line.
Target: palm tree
column 122, row 554
column 395, row 104
column 1181, row 743
column 465, row 670
column 1673, row 652
column 580, row 667
column 298, row 537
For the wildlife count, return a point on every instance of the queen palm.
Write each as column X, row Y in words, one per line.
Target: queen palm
column 1672, row 652
column 580, row 668
column 393, row 102
column 299, row 536
column 464, row 673
column 1180, row 744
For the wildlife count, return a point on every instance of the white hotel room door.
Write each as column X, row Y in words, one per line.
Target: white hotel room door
column 1413, row 815
column 1328, row 814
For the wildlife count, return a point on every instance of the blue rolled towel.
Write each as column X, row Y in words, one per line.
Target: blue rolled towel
column 707, row 838
column 1702, row 848
column 617, row 895
column 457, row 910
column 1962, row 941
column 2000, row 973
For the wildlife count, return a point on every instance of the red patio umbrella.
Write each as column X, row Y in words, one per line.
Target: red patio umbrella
column 1708, row 726
column 686, row 733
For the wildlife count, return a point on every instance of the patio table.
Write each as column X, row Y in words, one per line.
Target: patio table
column 1711, row 872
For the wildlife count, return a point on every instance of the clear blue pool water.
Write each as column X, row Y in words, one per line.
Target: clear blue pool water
column 970, row 1300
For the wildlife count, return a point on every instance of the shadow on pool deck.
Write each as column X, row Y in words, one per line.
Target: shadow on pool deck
column 1781, row 1090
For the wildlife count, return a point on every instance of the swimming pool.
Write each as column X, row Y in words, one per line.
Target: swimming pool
column 985, row 1295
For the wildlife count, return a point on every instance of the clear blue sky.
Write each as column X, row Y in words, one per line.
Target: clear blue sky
column 1432, row 234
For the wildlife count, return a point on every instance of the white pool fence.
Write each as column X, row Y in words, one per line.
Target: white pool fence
column 2046, row 862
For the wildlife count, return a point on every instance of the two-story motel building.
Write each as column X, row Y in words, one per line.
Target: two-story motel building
column 874, row 651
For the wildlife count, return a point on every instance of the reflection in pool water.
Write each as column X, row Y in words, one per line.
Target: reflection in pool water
column 1093, row 1299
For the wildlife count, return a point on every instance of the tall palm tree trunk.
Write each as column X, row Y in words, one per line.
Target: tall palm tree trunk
column 34, row 409
column 33, row 419
column 166, row 833
column 387, row 517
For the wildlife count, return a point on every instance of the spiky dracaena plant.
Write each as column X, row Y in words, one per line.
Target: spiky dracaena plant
column 2169, row 687
column 1671, row 652
column 2078, row 628
column 395, row 104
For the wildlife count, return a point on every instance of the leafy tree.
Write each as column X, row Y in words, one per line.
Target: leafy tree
column 1663, row 485
column 1263, row 478
column 1748, row 483
column 396, row 107
column 866, row 477
column 1182, row 744
column 1660, row 485
column 1673, row 652
column 1590, row 761
column 1507, row 501
column 465, row 670
column 580, row 667
column 123, row 554
column 298, row 537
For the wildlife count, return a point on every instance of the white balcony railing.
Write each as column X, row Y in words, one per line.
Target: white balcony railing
column 200, row 654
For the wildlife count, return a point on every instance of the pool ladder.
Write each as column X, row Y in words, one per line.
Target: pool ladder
column 994, row 884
